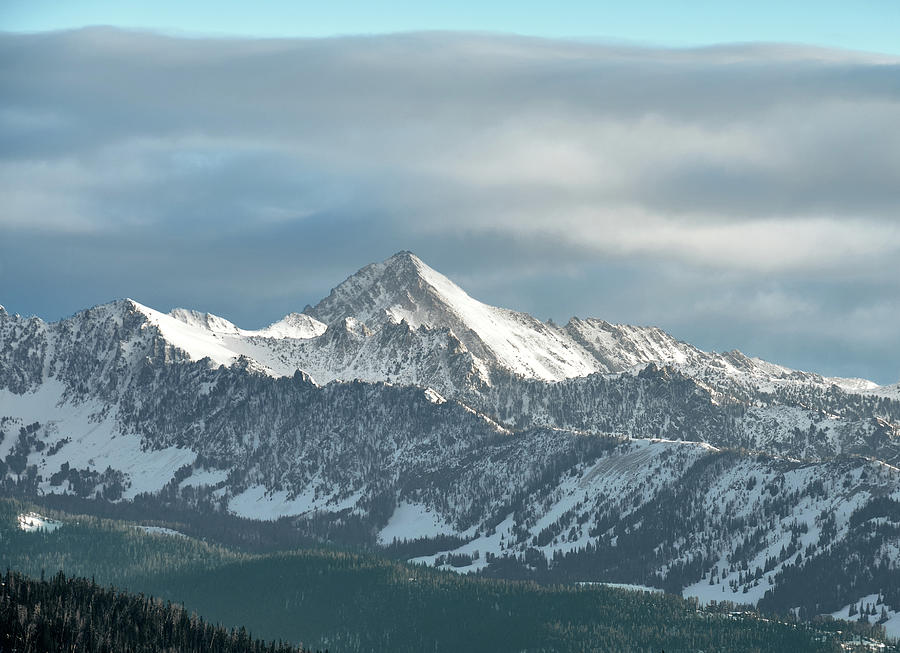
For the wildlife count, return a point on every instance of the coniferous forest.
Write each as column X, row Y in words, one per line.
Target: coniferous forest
column 346, row 601
column 75, row 614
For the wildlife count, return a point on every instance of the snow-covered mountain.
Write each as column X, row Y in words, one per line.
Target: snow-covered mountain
column 404, row 290
column 401, row 411
column 437, row 315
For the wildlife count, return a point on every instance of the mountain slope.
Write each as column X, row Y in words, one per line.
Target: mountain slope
column 401, row 412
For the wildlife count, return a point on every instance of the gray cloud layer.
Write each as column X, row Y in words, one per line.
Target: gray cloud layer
column 740, row 196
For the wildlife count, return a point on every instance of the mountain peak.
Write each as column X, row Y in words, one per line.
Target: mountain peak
column 401, row 287
column 118, row 309
column 406, row 262
column 404, row 255
column 404, row 289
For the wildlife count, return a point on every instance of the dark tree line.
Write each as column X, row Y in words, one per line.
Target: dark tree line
column 75, row 614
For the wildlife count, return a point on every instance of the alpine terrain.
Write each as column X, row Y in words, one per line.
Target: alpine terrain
column 401, row 413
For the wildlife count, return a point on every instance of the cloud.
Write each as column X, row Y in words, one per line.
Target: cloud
column 262, row 172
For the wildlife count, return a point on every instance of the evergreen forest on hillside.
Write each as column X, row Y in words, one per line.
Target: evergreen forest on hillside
column 356, row 602
column 75, row 614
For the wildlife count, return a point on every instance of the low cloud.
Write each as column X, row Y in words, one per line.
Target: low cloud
column 252, row 175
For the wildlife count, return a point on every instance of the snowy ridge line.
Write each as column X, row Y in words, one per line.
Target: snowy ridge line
column 400, row 321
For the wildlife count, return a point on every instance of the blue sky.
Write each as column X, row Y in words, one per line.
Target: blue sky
column 870, row 25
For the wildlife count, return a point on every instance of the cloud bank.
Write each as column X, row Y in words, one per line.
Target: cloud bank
column 743, row 196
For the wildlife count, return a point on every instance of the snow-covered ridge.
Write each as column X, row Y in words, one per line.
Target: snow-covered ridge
column 293, row 325
column 205, row 321
column 400, row 321
column 889, row 391
column 404, row 289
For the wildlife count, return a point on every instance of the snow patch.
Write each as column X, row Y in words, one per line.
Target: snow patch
column 411, row 521
column 202, row 477
column 96, row 441
column 31, row 522
column 161, row 530
column 891, row 626
column 256, row 502
column 626, row 586
column 197, row 342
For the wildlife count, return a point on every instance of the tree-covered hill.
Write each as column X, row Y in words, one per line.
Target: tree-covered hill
column 75, row 614
column 355, row 602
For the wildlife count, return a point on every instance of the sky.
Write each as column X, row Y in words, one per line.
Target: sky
column 870, row 25
column 733, row 180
